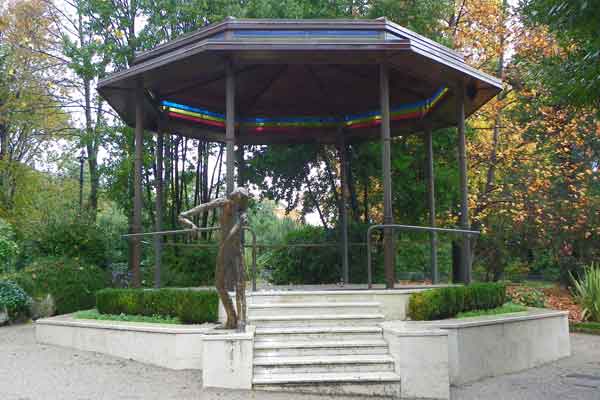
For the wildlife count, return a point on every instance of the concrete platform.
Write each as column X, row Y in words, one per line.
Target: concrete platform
column 165, row 345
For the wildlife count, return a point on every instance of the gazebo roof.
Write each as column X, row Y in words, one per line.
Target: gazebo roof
column 297, row 81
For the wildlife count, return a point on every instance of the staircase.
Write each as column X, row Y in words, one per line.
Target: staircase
column 308, row 344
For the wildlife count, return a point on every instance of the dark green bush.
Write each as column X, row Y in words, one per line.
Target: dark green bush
column 14, row 300
column 71, row 236
column 319, row 264
column 189, row 305
column 72, row 284
column 187, row 266
column 447, row 302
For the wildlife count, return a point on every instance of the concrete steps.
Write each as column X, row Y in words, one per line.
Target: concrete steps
column 365, row 384
column 314, row 333
column 274, row 309
column 322, row 363
column 311, row 348
column 291, row 320
column 315, row 345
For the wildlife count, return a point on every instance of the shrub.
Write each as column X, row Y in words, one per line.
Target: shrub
column 14, row 300
column 318, row 265
column 72, row 236
column 447, row 302
column 71, row 283
column 8, row 247
column 587, row 293
column 189, row 305
column 527, row 296
column 187, row 266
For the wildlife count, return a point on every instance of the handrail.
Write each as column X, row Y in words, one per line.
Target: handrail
column 247, row 228
column 406, row 228
column 210, row 228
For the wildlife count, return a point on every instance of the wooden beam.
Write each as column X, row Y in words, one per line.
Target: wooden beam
column 431, row 203
column 137, row 183
column 341, row 145
column 159, row 204
column 388, row 216
column 230, row 124
column 220, row 75
column 249, row 105
column 465, row 250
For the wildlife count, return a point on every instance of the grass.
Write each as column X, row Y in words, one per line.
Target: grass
column 586, row 327
column 507, row 308
column 156, row 319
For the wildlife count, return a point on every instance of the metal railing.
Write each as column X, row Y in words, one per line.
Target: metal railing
column 405, row 228
column 210, row 228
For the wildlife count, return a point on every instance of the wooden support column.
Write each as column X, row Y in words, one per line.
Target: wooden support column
column 229, row 125
column 343, row 206
column 388, row 217
column 431, row 203
column 465, row 251
column 137, row 183
column 230, row 270
column 159, row 205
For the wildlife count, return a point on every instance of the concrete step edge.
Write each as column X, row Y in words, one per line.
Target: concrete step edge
column 314, row 304
column 332, row 377
column 315, row 317
column 270, row 345
column 317, row 330
column 324, row 360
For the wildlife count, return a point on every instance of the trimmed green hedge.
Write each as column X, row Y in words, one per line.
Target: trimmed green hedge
column 190, row 306
column 447, row 302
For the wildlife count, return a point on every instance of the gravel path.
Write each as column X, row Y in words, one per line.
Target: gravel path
column 29, row 371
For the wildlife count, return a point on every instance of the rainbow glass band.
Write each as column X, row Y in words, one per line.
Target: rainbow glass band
column 260, row 124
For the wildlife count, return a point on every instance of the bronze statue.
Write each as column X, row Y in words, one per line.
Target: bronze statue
column 231, row 255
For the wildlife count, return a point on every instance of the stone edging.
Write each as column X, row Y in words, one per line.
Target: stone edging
column 68, row 320
column 530, row 314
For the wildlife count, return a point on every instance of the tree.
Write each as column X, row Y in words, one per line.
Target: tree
column 30, row 91
column 574, row 72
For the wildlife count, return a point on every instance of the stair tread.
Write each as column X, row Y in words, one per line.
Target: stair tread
column 317, row 329
column 315, row 304
column 320, row 359
column 384, row 376
column 315, row 317
column 262, row 345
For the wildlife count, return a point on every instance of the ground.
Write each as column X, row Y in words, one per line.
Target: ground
column 29, row 371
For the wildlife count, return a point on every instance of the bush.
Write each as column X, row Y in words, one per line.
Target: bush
column 587, row 293
column 14, row 300
column 190, row 306
column 317, row 265
column 527, row 296
column 71, row 284
column 8, row 247
column 447, row 302
column 72, row 236
column 187, row 266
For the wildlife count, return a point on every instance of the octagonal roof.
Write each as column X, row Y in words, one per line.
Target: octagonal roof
column 297, row 81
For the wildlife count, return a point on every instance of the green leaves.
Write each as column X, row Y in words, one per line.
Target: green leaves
column 587, row 293
column 574, row 75
column 14, row 300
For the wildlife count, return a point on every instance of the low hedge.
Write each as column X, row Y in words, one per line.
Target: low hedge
column 190, row 306
column 447, row 302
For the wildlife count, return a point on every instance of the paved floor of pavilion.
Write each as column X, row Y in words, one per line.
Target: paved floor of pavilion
column 29, row 371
